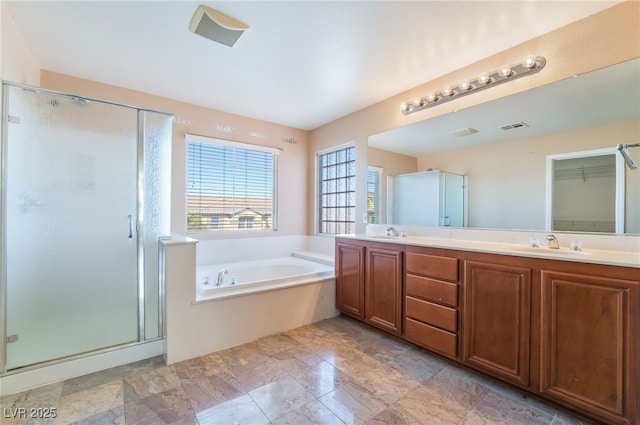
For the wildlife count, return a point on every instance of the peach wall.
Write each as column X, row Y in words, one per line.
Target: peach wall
column 507, row 180
column 609, row 37
column 17, row 64
column 392, row 164
column 193, row 119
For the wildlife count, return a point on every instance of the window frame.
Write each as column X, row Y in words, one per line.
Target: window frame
column 189, row 138
column 318, row 188
column 379, row 171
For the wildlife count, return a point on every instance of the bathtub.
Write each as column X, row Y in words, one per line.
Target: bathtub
column 258, row 276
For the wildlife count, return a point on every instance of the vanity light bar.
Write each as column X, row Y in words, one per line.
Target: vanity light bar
column 530, row 65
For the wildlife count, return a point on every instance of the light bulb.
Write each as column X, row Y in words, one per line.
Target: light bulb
column 431, row 97
column 447, row 91
column 404, row 107
column 417, row 101
column 464, row 85
column 530, row 61
column 504, row 71
column 483, row 78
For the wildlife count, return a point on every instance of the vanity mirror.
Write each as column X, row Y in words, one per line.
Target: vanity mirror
column 503, row 147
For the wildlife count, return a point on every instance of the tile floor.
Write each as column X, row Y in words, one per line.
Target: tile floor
column 334, row 372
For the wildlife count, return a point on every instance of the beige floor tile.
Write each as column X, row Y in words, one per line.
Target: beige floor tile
column 207, row 391
column 170, row 405
column 353, row 404
column 241, row 410
column 83, row 404
column 391, row 416
column 334, row 372
column 497, row 409
column 154, row 381
column 280, row 397
column 16, row 408
column 320, row 379
column 312, row 413
column 276, row 343
column 446, row 398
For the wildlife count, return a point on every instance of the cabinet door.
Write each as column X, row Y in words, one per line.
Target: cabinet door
column 496, row 320
column 383, row 302
column 350, row 278
column 587, row 355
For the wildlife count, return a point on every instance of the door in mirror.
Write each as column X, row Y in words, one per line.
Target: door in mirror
column 585, row 192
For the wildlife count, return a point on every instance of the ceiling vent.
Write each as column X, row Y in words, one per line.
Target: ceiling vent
column 216, row 26
column 515, row 126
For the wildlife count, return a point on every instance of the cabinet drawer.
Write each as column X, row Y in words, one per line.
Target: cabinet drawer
column 433, row 314
column 432, row 290
column 432, row 338
column 433, row 265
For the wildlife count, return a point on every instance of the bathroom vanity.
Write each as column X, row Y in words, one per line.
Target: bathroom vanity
column 564, row 327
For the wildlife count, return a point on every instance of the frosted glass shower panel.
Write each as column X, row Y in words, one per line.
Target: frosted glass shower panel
column 157, row 135
column 70, row 173
column 430, row 198
column 453, row 200
column 415, row 199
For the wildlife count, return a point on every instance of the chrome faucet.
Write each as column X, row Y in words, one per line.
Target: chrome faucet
column 221, row 274
column 553, row 242
column 391, row 231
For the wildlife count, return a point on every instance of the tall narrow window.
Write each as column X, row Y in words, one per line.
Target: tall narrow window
column 230, row 186
column 337, row 191
column 374, row 175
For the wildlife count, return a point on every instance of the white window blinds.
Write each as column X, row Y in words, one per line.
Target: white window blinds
column 230, row 186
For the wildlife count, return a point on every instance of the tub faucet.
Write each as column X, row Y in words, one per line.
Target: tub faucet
column 553, row 242
column 221, row 274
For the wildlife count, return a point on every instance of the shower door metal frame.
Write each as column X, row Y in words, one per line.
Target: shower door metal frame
column 139, row 226
column 3, row 242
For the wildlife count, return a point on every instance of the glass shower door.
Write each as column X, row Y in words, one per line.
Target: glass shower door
column 70, row 204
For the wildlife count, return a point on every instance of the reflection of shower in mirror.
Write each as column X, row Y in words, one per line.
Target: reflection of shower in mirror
column 623, row 148
column 25, row 203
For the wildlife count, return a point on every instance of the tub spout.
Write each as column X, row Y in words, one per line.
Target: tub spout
column 221, row 274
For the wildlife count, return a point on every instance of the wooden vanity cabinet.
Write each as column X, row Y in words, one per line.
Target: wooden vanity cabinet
column 566, row 331
column 350, row 278
column 589, row 355
column 369, row 282
column 383, row 288
column 497, row 316
column 431, row 299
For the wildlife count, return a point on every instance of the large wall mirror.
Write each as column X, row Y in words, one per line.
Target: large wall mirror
column 505, row 159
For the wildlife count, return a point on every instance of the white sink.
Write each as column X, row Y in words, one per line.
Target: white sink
column 384, row 237
column 548, row 251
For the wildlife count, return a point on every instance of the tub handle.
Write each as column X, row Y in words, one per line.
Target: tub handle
column 130, row 226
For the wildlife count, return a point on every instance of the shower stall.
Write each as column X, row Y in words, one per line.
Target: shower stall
column 85, row 198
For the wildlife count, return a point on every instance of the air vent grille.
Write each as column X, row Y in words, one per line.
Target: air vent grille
column 515, row 126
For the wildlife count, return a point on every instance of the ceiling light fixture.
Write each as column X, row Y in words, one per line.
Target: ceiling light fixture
column 464, row 132
column 530, row 65
column 216, row 26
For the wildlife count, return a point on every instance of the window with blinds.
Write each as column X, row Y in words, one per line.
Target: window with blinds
column 374, row 175
column 337, row 191
column 230, row 186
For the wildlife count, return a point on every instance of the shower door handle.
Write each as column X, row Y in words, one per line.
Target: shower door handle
column 130, row 226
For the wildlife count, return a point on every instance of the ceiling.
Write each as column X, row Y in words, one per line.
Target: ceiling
column 600, row 97
column 301, row 64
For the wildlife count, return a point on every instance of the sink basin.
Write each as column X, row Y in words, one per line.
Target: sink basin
column 383, row 237
column 547, row 251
